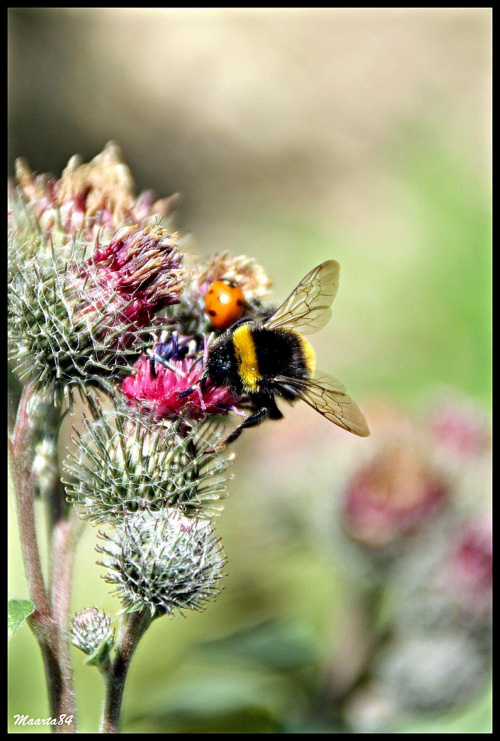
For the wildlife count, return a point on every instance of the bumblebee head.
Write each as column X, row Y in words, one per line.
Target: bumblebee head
column 220, row 363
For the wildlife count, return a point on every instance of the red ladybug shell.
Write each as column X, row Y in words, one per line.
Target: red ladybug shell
column 224, row 303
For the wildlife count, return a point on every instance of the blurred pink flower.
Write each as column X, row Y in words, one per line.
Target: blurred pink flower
column 467, row 573
column 392, row 494
column 460, row 427
column 411, row 468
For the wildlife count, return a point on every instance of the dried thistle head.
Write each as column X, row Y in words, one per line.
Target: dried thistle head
column 95, row 197
column 191, row 317
column 240, row 269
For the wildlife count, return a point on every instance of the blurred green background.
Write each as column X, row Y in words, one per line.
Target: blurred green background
column 295, row 136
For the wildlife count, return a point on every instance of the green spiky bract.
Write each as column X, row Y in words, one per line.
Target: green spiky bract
column 58, row 340
column 124, row 462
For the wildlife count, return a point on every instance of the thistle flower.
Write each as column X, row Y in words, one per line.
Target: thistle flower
column 437, row 648
column 394, row 492
column 414, row 469
column 124, row 463
column 445, row 581
column 92, row 274
column 431, row 672
column 70, row 316
column 163, row 562
column 460, row 426
column 467, row 571
column 137, row 274
column 240, row 269
column 190, row 315
column 388, row 490
column 92, row 633
column 95, row 198
column 158, row 380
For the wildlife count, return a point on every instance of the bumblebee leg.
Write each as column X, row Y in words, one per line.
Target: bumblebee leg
column 152, row 366
column 252, row 421
column 201, row 384
column 273, row 411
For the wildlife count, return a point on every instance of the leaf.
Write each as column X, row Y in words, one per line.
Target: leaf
column 211, row 698
column 18, row 611
column 100, row 655
column 273, row 643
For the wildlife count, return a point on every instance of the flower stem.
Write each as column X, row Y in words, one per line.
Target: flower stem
column 64, row 538
column 133, row 627
column 20, row 460
column 44, row 620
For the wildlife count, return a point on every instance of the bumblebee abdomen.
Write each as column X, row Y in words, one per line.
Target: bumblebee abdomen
column 308, row 354
column 262, row 354
column 247, row 362
column 285, row 353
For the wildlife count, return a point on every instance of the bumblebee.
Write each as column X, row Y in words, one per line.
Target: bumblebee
column 267, row 358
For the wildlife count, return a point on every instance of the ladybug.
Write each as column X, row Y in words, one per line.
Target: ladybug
column 224, row 303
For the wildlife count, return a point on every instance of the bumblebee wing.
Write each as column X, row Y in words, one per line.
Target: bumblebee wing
column 307, row 309
column 329, row 397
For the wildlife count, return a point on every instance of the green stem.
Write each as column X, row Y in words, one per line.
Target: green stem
column 132, row 629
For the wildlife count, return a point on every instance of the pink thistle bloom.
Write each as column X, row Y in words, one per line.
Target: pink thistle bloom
column 121, row 287
column 91, row 277
column 132, row 277
column 391, row 495
column 460, row 427
column 158, row 390
column 468, row 571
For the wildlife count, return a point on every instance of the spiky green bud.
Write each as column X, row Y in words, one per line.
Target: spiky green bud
column 163, row 562
column 124, row 462
column 92, row 633
column 74, row 319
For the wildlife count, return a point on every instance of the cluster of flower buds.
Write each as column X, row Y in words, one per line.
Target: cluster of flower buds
column 102, row 299
column 84, row 292
column 416, row 510
column 406, row 517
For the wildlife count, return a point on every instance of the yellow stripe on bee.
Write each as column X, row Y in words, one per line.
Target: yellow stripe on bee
column 246, row 358
column 308, row 354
